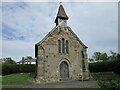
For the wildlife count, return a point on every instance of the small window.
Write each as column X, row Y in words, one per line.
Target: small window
column 82, row 55
column 59, row 46
column 83, row 62
column 63, row 46
column 67, row 46
column 83, row 65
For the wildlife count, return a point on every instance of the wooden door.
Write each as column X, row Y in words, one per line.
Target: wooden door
column 64, row 71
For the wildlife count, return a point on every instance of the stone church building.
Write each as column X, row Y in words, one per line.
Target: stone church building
column 61, row 55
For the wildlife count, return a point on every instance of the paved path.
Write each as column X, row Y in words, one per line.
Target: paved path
column 68, row 84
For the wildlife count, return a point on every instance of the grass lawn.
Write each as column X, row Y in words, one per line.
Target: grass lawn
column 14, row 88
column 16, row 78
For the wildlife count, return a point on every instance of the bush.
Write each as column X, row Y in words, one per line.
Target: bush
column 17, row 68
column 105, row 66
column 107, row 81
column 27, row 68
column 111, row 85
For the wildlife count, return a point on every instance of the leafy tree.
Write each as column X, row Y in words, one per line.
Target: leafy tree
column 8, row 60
column 91, row 59
column 104, row 56
column 96, row 56
column 0, row 68
column 28, row 57
column 114, row 56
column 100, row 56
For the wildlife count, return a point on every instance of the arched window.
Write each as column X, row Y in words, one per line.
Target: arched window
column 83, row 62
column 82, row 55
column 67, row 46
column 63, row 46
column 83, row 65
column 59, row 46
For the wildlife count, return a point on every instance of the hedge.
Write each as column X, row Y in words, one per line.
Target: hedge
column 105, row 66
column 17, row 68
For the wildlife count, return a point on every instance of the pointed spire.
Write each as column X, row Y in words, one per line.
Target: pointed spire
column 61, row 14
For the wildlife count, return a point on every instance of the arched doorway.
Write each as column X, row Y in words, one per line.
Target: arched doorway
column 64, row 71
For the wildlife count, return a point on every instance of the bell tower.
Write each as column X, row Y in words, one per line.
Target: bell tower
column 62, row 17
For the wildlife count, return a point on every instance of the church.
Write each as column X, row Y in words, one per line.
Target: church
column 61, row 55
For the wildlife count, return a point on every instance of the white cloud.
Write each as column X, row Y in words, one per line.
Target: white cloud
column 28, row 22
column 17, row 49
column 96, row 24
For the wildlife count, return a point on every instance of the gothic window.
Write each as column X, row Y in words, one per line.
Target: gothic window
column 83, row 62
column 82, row 55
column 63, row 46
column 83, row 65
column 59, row 46
column 67, row 46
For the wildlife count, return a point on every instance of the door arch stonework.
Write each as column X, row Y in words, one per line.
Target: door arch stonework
column 64, row 64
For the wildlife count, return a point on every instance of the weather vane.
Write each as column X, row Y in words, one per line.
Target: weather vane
column 60, row 2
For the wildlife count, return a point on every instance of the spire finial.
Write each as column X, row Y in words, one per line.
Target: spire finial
column 61, row 14
column 60, row 2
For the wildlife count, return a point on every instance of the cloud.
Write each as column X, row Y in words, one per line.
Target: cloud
column 96, row 24
column 26, row 23
column 27, row 20
column 17, row 49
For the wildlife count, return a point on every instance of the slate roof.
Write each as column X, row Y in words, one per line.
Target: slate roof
column 61, row 13
column 27, row 60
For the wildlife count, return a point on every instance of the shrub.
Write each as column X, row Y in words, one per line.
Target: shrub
column 107, row 81
column 27, row 68
column 17, row 68
column 105, row 66
column 113, row 84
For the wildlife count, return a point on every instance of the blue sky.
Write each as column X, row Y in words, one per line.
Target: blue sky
column 26, row 23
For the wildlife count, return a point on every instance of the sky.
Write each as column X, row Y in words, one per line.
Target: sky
column 26, row 23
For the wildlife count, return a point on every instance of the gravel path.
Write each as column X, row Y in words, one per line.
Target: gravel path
column 68, row 84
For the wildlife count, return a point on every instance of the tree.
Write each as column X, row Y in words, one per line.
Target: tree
column 114, row 55
column 96, row 56
column 28, row 57
column 8, row 60
column 100, row 56
column 104, row 56
column 91, row 59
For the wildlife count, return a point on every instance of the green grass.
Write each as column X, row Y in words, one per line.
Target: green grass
column 10, row 87
column 16, row 78
column 13, row 88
